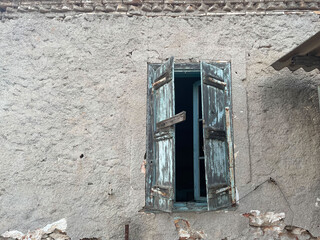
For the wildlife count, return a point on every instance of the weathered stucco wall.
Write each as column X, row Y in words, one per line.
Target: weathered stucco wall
column 73, row 110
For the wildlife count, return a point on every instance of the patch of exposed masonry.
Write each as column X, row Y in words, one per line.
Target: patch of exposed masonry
column 265, row 226
column 270, row 225
column 186, row 232
column 53, row 231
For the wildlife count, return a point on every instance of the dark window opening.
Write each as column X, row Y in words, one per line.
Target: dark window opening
column 190, row 170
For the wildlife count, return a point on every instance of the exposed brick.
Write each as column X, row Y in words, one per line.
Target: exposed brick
column 153, row 1
column 133, row 10
column 190, row 8
column 146, row 7
column 203, row 8
column 227, row 7
column 109, row 8
column 213, row 8
column 213, row 2
column 182, row 1
column 111, row 1
column 156, row 8
column 121, row 8
column 132, row 2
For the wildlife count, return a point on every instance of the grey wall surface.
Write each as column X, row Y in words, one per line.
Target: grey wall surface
column 77, row 85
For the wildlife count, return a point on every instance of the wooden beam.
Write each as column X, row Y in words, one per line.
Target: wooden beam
column 126, row 236
column 180, row 117
column 159, row 82
column 216, row 134
column 310, row 46
column 215, row 83
column 308, row 61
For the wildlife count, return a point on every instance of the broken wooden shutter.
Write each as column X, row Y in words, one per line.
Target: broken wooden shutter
column 162, row 187
column 149, row 164
column 217, row 134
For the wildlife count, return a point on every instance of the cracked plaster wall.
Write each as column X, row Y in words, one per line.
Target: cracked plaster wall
column 73, row 110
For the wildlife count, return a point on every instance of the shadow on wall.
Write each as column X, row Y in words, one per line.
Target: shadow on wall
column 290, row 126
column 291, row 112
column 284, row 118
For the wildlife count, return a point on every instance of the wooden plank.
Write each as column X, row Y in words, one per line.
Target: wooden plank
column 150, row 167
column 308, row 61
column 126, row 237
column 223, row 190
column 164, row 138
column 187, row 66
column 181, row 66
column 164, row 174
column 215, row 83
column 215, row 190
column 161, row 81
column 214, row 100
column 180, row 117
column 163, row 191
column 229, row 128
column 231, row 160
column 214, row 107
column 216, row 134
column 213, row 72
column 163, row 135
column 307, row 47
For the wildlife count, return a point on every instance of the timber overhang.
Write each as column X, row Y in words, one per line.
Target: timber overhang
column 306, row 56
column 161, row 7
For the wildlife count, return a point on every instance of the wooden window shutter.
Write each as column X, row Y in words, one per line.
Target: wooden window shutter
column 161, row 138
column 217, row 134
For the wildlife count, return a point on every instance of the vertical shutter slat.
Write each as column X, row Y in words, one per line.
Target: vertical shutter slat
column 218, row 149
column 231, row 156
column 162, row 189
column 150, row 129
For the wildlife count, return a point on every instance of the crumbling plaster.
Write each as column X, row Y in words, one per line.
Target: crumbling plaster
column 76, row 84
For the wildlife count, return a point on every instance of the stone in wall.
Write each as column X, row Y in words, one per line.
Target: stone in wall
column 53, row 231
column 271, row 225
column 185, row 231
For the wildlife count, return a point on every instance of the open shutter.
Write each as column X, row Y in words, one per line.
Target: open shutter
column 217, row 134
column 162, row 189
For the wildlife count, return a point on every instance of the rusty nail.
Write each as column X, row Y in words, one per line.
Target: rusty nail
column 126, row 232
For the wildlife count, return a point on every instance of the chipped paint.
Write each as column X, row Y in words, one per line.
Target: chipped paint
column 256, row 218
column 143, row 167
column 216, row 108
column 237, row 196
column 162, row 191
column 231, row 155
column 185, row 231
column 161, row 142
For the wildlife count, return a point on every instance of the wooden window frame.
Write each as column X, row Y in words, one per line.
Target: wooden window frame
column 180, row 206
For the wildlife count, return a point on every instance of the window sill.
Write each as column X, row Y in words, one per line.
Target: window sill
column 189, row 207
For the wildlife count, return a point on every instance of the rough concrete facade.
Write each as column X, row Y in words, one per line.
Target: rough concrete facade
column 73, row 110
